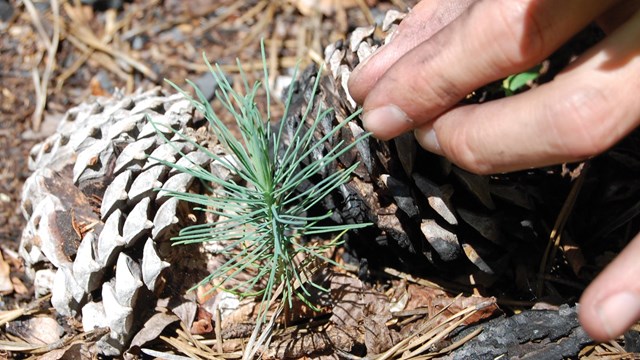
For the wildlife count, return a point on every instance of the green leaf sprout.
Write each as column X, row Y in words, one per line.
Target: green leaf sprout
column 516, row 82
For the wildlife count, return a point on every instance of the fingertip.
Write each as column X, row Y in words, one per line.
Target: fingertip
column 611, row 316
column 427, row 138
column 386, row 122
column 611, row 303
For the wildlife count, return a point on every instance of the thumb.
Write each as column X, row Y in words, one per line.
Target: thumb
column 611, row 304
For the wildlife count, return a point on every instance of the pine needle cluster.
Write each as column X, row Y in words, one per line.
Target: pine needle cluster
column 263, row 225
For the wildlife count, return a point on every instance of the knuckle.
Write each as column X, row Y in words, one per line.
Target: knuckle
column 428, row 81
column 460, row 150
column 442, row 92
column 519, row 26
column 582, row 123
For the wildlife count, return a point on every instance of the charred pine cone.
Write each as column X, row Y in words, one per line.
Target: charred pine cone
column 428, row 214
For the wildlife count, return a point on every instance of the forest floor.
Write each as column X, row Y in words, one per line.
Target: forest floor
column 51, row 61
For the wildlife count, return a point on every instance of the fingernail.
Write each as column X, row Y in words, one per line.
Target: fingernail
column 618, row 312
column 428, row 139
column 386, row 122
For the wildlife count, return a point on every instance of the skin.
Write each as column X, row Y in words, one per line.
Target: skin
column 445, row 49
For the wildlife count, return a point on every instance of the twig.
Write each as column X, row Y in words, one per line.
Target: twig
column 565, row 282
column 153, row 28
column 237, row 343
column 265, row 19
column 164, row 355
column 366, row 11
column 181, row 346
column 462, row 341
column 558, row 228
column 103, row 59
column 71, row 70
column 35, row 19
column 84, row 35
column 36, row 349
column 35, row 77
column 301, row 42
column 448, row 286
column 422, row 328
column 231, row 10
column 435, row 335
column 42, row 82
column 619, row 221
column 33, row 307
column 315, row 26
column 286, row 62
column 84, row 337
column 255, row 341
column 199, row 347
column 256, row 10
column 87, row 53
column 316, row 57
column 15, row 346
column 218, row 331
column 93, row 42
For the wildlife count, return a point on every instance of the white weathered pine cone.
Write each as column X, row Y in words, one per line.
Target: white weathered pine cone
column 108, row 149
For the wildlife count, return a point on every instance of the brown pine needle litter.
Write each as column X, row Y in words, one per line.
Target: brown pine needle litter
column 73, row 47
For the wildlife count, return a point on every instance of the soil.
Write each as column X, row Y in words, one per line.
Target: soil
column 168, row 37
column 108, row 46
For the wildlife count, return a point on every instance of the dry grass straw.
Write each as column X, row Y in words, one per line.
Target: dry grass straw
column 230, row 11
column 430, row 332
column 18, row 345
column 74, row 27
column 441, row 285
column 112, row 29
column 186, row 344
column 79, row 29
column 121, row 62
column 41, row 82
column 246, row 348
column 611, row 350
column 32, row 308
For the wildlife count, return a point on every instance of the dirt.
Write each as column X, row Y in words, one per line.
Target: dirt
column 166, row 36
column 139, row 43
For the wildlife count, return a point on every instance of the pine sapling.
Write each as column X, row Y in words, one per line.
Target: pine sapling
column 263, row 225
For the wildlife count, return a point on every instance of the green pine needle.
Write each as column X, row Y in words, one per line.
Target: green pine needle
column 263, row 224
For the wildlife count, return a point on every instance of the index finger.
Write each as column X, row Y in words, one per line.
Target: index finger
column 423, row 21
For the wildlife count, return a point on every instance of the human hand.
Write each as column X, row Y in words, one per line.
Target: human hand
column 444, row 50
